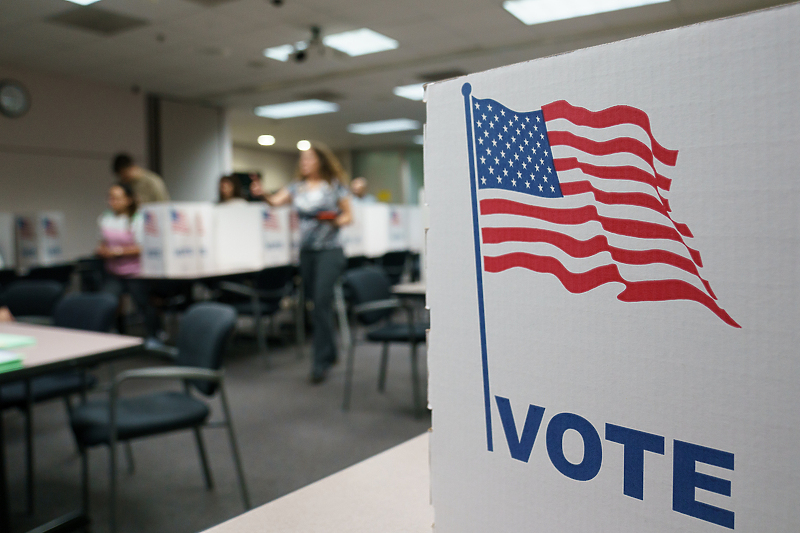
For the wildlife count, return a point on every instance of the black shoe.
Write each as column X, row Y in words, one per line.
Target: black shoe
column 318, row 375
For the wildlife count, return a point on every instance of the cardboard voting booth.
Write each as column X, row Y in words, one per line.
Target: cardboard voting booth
column 613, row 286
column 8, row 252
column 170, row 242
column 275, row 236
column 39, row 238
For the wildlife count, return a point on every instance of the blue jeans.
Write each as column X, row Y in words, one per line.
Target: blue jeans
column 320, row 270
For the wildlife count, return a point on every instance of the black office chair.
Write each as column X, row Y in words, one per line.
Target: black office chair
column 202, row 337
column 32, row 300
column 59, row 273
column 395, row 264
column 371, row 304
column 90, row 312
column 262, row 298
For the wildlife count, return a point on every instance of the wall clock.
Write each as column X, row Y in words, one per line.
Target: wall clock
column 14, row 99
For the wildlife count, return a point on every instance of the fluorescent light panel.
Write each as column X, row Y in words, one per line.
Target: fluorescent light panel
column 412, row 92
column 540, row 11
column 83, row 2
column 301, row 108
column 280, row 53
column 360, row 42
column 383, row 126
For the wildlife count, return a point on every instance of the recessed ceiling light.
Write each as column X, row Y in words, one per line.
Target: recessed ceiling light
column 83, row 2
column 412, row 92
column 303, row 145
column 360, row 42
column 300, row 108
column 383, row 126
column 539, row 11
column 281, row 53
column 266, row 140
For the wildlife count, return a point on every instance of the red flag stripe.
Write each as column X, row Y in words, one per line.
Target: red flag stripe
column 581, row 215
column 612, row 116
column 613, row 146
column 638, row 199
column 598, row 244
column 615, row 173
column 635, row 291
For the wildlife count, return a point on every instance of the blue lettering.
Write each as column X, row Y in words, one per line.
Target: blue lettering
column 592, row 447
column 520, row 447
column 685, row 479
column 634, row 444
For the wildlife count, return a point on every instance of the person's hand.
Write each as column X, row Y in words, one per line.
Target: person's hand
column 256, row 189
column 5, row 315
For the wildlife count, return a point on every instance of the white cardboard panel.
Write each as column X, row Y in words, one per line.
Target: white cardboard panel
column 238, row 235
column 170, row 242
column 8, row 252
column 275, row 236
column 724, row 96
column 39, row 238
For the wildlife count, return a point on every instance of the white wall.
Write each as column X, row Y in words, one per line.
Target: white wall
column 195, row 150
column 58, row 156
column 276, row 168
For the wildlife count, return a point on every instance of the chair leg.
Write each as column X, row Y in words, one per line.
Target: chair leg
column 112, row 486
column 384, row 366
column 84, row 453
column 234, row 448
column 348, row 375
column 415, row 381
column 129, row 457
column 29, row 466
column 201, row 450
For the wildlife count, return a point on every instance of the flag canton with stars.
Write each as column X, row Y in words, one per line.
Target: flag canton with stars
column 512, row 151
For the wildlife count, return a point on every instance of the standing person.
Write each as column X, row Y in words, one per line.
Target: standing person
column 359, row 187
column 121, row 234
column 323, row 206
column 147, row 186
column 230, row 190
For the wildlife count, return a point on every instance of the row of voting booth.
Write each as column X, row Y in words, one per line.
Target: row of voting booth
column 31, row 239
column 195, row 238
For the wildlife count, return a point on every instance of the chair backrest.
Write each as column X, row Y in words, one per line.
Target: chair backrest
column 368, row 284
column 204, row 332
column 278, row 279
column 31, row 297
column 88, row 311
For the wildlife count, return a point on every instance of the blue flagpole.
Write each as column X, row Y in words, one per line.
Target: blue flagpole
column 466, row 89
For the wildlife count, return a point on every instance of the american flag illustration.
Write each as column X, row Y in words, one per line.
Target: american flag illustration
column 50, row 228
column 180, row 223
column 580, row 195
column 269, row 221
column 150, row 224
column 25, row 228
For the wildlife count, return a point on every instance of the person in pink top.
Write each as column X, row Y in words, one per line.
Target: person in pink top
column 121, row 232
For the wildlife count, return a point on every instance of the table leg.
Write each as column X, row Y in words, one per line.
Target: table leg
column 5, row 520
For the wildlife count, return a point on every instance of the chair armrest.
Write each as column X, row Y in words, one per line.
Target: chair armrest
column 168, row 372
column 246, row 290
column 378, row 305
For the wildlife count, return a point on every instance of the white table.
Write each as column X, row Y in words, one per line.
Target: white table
column 57, row 349
column 414, row 288
column 387, row 493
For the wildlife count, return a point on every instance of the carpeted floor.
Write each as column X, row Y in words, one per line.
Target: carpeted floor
column 290, row 434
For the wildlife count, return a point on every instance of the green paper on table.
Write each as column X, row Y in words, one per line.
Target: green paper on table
column 15, row 341
column 9, row 361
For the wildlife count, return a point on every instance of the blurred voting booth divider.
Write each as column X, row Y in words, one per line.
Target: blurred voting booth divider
column 186, row 238
column 31, row 239
column 613, row 285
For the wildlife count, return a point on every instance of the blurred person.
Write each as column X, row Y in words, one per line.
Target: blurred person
column 230, row 190
column 121, row 234
column 147, row 186
column 5, row 315
column 359, row 188
column 323, row 206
